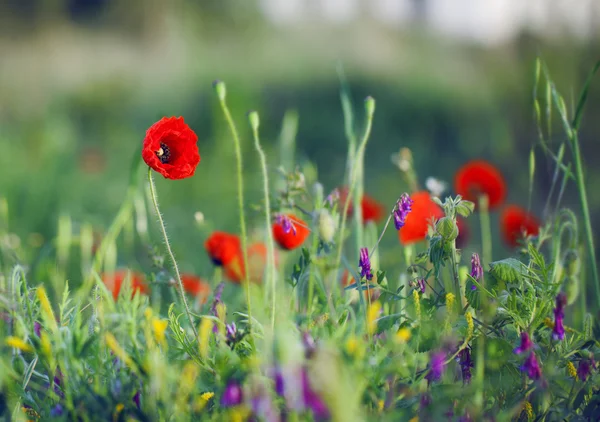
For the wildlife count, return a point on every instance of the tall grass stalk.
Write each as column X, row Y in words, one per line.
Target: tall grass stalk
column 271, row 268
column 170, row 251
column 221, row 90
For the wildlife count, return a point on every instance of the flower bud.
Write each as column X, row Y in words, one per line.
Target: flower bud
column 447, row 228
column 571, row 286
column 571, row 263
column 370, row 106
column 254, row 120
column 220, row 89
column 327, row 226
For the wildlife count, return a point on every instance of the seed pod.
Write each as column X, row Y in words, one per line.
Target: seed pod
column 571, row 286
column 447, row 228
column 571, row 263
column 327, row 226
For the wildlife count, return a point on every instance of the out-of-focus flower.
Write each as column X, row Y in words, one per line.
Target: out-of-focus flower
column 231, row 333
column 309, row 344
column 571, row 370
column 223, row 248
column 435, row 186
column 195, row 286
column 558, row 332
column 526, row 344
column 477, row 178
column 585, row 368
column 57, row 411
column 476, row 269
column 289, row 231
column 233, row 395
column 371, row 209
column 170, row 148
column 532, row 367
column 466, row 363
column 423, row 211
column 437, row 365
column 114, row 282
column 333, row 197
column 516, row 223
column 401, row 211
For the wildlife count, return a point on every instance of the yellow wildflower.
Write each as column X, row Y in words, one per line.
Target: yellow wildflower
column 571, row 370
column 450, row 299
column 417, row 300
column 528, row 409
column 415, row 419
column 470, row 326
column 46, row 308
column 148, row 313
column 353, row 347
column 17, row 343
column 380, row 405
column 548, row 323
column 118, row 409
column 202, row 401
column 159, row 326
column 372, row 314
column 204, row 335
column 46, row 344
column 403, row 335
column 239, row 414
column 113, row 345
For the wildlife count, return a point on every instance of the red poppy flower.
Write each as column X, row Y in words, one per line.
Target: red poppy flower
column 478, row 177
column 290, row 231
column 463, row 233
column 223, row 248
column 257, row 262
column 418, row 221
column 517, row 223
column 195, row 286
column 371, row 209
column 115, row 280
column 170, row 148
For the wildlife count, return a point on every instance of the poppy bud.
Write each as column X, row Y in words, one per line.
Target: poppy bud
column 327, row 226
column 447, row 228
column 370, row 106
column 220, row 89
column 571, row 263
column 571, row 286
column 254, row 120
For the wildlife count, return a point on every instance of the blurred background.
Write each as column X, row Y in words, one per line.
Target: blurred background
column 81, row 81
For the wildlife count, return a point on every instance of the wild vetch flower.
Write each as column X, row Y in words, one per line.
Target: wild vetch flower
column 585, row 368
column 231, row 333
column 289, row 231
column 296, row 389
column 233, row 395
column 37, row 329
column 403, row 208
column 216, row 301
column 466, row 363
column 526, row 344
column 365, row 264
column 478, row 177
column 558, row 332
column 516, row 222
column 423, row 210
column 57, row 411
column 137, row 399
column 312, row 400
column 332, row 197
column 421, row 284
column 532, row 367
column 436, row 366
column 170, row 148
column 476, row 269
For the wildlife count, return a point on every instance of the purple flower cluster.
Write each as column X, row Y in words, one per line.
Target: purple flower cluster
column 532, row 367
column 476, row 269
column 233, row 395
column 526, row 344
column 437, row 365
column 365, row 264
column 298, row 383
column 585, row 367
column 558, row 332
column 401, row 211
column 421, row 284
column 466, row 363
column 286, row 224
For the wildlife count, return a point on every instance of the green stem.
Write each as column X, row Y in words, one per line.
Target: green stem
column 486, row 232
column 272, row 270
column 486, row 241
column 169, row 250
column 311, row 275
column 220, row 88
column 589, row 235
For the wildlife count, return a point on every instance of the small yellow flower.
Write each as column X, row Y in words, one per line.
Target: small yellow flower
column 46, row 344
column 380, row 405
column 202, row 401
column 239, row 414
column 450, row 299
column 417, row 300
column 118, row 409
column 353, row 347
column 204, row 335
column 415, row 419
column 470, row 325
column 148, row 313
column 207, row 396
column 372, row 314
column 159, row 326
column 548, row 323
column 403, row 335
column 113, row 345
column 528, row 409
column 17, row 343
column 571, row 370
column 46, row 308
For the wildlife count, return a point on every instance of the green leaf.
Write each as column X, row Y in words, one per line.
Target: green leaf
column 509, row 270
column 465, row 208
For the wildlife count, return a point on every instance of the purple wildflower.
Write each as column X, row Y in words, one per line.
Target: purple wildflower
column 466, row 363
column 421, row 284
column 37, row 329
column 57, row 411
column 436, row 366
column 231, row 333
column 532, row 367
column 216, row 301
column 312, row 400
column 585, row 368
column 233, row 395
column 401, row 211
column 295, row 388
column 425, row 400
column 137, row 399
column 332, row 197
column 365, row 264
column 309, row 345
column 476, row 269
column 558, row 332
column 286, row 224
column 525, row 345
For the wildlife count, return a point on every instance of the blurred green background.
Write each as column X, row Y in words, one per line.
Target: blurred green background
column 81, row 80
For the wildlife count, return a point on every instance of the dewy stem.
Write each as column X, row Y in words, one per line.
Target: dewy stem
column 221, row 94
column 169, row 251
column 272, row 270
column 589, row 235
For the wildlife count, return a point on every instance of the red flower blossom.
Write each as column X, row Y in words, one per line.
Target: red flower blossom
column 195, row 286
column 478, row 177
column 418, row 221
column 257, row 262
column 115, row 280
column 290, row 236
column 371, row 209
column 170, row 148
column 223, row 248
column 516, row 222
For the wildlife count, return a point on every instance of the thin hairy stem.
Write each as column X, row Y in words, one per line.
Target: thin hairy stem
column 272, row 270
column 169, row 250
